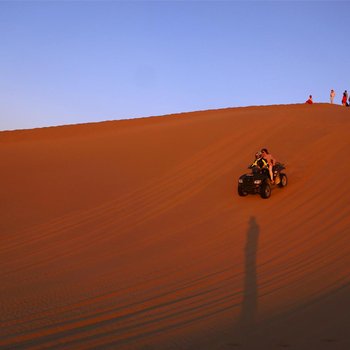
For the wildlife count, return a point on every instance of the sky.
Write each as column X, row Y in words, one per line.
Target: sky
column 69, row 62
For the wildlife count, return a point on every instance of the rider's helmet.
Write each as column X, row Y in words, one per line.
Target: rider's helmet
column 258, row 155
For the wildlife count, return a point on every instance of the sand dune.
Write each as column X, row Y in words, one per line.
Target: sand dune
column 130, row 234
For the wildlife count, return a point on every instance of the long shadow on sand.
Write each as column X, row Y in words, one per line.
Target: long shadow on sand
column 249, row 310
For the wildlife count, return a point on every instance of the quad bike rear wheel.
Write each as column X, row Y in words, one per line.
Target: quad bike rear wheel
column 284, row 180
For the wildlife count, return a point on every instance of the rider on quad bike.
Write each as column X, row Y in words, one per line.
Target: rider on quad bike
column 259, row 161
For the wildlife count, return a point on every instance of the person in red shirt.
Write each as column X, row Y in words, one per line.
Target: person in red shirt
column 343, row 101
column 309, row 101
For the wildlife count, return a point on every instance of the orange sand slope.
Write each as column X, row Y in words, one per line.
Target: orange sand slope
column 131, row 235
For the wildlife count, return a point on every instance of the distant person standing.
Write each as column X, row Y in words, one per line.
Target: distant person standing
column 344, row 99
column 332, row 95
column 309, row 101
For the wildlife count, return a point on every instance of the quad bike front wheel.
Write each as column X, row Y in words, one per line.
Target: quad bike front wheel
column 265, row 190
column 241, row 192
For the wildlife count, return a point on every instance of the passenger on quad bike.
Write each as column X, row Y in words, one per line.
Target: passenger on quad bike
column 271, row 161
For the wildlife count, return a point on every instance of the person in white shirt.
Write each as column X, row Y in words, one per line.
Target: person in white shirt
column 271, row 161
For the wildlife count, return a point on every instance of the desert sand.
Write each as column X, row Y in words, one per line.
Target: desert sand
column 130, row 234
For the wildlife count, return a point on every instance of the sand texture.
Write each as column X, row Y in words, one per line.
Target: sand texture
column 131, row 235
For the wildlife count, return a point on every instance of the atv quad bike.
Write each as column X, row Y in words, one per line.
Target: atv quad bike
column 258, row 181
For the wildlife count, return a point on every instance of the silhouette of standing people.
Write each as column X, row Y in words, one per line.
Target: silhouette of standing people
column 250, row 299
column 332, row 95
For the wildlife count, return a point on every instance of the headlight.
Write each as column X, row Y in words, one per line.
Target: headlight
column 257, row 182
column 240, row 181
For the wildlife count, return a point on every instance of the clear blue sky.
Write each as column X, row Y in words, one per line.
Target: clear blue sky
column 67, row 62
